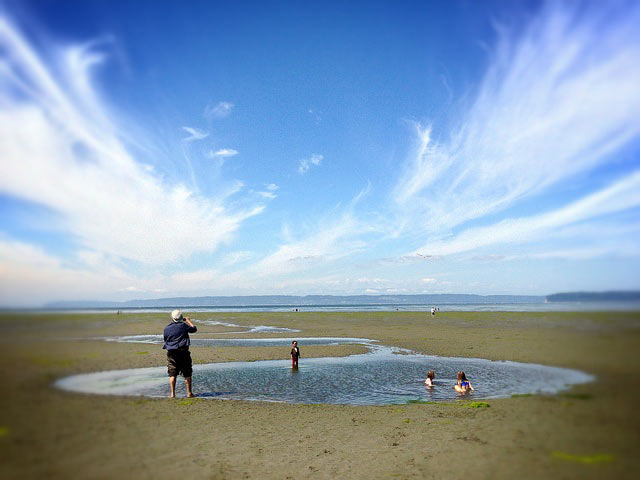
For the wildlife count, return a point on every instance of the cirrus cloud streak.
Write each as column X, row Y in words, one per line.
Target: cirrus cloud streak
column 557, row 101
column 61, row 149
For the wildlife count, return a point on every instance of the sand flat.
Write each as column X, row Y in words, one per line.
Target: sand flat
column 591, row 431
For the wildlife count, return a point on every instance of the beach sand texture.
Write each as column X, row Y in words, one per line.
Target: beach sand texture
column 591, row 431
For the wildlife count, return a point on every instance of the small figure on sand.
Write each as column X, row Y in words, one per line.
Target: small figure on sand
column 176, row 343
column 433, row 311
column 430, row 376
column 462, row 384
column 295, row 354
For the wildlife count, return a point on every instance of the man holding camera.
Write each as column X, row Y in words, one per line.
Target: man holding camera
column 176, row 343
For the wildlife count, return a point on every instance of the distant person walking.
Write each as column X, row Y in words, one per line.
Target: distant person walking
column 433, row 311
column 295, row 354
column 176, row 343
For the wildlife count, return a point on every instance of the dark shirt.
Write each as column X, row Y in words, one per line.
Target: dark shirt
column 176, row 336
column 295, row 352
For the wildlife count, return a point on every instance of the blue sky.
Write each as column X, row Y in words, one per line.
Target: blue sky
column 158, row 148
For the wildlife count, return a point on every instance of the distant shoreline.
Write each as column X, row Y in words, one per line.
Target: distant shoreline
column 267, row 301
column 351, row 302
column 566, row 306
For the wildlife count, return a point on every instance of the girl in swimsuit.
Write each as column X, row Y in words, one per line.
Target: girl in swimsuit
column 430, row 376
column 462, row 384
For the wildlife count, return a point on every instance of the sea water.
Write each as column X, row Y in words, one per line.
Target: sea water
column 604, row 306
column 385, row 375
column 243, row 342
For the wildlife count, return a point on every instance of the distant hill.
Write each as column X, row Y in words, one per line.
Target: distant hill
column 614, row 296
column 307, row 300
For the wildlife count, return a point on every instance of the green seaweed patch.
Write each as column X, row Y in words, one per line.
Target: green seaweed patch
column 4, row 431
column 188, row 401
column 407, row 420
column 142, row 353
column 578, row 396
column 476, row 405
column 586, row 459
column 422, row 402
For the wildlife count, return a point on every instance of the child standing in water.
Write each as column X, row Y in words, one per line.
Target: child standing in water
column 430, row 376
column 462, row 384
column 295, row 354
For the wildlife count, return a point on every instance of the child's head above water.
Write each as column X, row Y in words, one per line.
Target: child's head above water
column 461, row 376
column 431, row 374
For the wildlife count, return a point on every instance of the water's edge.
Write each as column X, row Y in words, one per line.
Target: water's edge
column 384, row 375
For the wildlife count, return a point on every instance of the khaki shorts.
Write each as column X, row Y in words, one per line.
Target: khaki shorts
column 179, row 361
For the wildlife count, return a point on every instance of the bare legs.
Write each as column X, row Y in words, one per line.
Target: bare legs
column 172, row 384
column 187, row 382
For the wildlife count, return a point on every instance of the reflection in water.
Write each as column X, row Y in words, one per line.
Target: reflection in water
column 380, row 377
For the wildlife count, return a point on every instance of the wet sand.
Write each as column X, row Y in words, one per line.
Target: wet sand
column 591, row 431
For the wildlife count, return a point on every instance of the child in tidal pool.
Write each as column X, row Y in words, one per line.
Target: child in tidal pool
column 430, row 376
column 462, row 384
column 295, row 354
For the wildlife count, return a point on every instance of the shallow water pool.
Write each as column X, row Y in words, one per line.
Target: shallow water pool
column 383, row 376
column 244, row 342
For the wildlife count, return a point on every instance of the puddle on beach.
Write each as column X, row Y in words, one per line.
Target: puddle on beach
column 243, row 342
column 380, row 377
column 247, row 329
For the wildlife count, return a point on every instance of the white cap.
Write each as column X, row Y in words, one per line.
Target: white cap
column 176, row 316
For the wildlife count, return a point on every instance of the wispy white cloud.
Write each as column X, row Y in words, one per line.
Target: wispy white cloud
column 406, row 259
column 29, row 275
column 371, row 280
column 194, row 134
column 223, row 153
column 558, row 99
column 337, row 235
column 269, row 191
column 237, row 257
column 589, row 252
column 620, row 196
column 327, row 243
column 61, row 149
column 267, row 194
column 307, row 163
column 130, row 288
column 220, row 110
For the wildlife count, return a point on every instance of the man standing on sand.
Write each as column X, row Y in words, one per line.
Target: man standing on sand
column 176, row 343
column 295, row 354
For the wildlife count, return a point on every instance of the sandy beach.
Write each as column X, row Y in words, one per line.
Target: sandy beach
column 591, row 431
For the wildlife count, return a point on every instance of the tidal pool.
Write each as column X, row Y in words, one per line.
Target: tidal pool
column 383, row 376
column 244, row 342
column 248, row 329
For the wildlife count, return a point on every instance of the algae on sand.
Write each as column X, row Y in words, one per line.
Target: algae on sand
column 586, row 459
column 476, row 405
